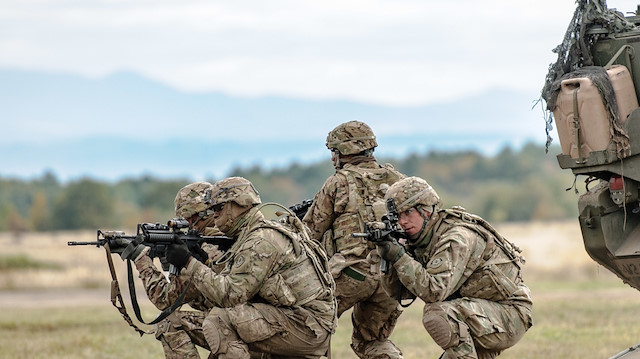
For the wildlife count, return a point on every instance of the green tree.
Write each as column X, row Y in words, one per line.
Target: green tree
column 84, row 204
column 39, row 213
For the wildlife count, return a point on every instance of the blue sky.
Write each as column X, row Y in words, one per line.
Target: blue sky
column 391, row 54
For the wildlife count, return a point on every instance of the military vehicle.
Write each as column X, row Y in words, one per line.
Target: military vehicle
column 592, row 93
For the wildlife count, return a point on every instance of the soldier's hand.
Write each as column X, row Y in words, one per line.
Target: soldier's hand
column 118, row 245
column 199, row 254
column 390, row 250
column 132, row 251
column 178, row 255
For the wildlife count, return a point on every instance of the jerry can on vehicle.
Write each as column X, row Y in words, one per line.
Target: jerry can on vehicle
column 581, row 116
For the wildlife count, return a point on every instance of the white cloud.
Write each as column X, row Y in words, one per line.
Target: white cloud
column 390, row 52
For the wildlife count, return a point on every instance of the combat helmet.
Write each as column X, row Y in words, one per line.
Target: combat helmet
column 233, row 189
column 351, row 138
column 410, row 192
column 191, row 199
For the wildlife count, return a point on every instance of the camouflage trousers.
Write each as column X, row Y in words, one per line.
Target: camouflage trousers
column 470, row 328
column 234, row 333
column 374, row 315
column 179, row 334
column 182, row 331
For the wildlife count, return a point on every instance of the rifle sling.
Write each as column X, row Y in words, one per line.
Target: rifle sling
column 134, row 300
column 116, row 296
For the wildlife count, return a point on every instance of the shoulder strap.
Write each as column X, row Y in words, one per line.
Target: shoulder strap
column 356, row 200
column 490, row 234
column 116, row 296
column 134, row 300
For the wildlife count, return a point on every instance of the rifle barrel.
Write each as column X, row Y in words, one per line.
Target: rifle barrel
column 74, row 243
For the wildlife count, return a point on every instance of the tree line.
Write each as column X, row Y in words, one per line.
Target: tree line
column 512, row 185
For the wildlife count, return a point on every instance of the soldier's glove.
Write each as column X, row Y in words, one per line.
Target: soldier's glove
column 132, row 251
column 199, row 254
column 118, row 245
column 390, row 250
column 178, row 255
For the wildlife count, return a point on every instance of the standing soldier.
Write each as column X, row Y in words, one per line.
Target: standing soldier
column 467, row 274
column 350, row 197
column 274, row 295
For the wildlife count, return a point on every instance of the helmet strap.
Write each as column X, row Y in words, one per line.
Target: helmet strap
column 424, row 216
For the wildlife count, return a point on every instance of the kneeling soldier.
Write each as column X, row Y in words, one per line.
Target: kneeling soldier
column 468, row 275
column 275, row 294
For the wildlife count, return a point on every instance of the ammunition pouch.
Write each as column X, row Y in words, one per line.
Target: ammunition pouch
column 490, row 283
column 276, row 291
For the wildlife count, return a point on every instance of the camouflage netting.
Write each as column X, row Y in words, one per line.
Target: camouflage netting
column 575, row 60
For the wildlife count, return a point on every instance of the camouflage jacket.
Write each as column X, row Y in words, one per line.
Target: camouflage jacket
column 270, row 263
column 162, row 292
column 348, row 198
column 458, row 256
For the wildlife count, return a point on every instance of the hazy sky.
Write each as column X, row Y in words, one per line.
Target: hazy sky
column 401, row 52
column 393, row 53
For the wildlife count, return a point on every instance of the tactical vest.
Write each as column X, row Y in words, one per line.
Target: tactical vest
column 496, row 274
column 302, row 280
column 366, row 190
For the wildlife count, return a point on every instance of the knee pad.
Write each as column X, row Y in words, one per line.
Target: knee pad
column 211, row 333
column 441, row 330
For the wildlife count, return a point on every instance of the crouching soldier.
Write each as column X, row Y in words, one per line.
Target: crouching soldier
column 275, row 294
column 181, row 331
column 468, row 275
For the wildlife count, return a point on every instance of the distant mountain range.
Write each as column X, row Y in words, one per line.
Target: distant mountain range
column 126, row 125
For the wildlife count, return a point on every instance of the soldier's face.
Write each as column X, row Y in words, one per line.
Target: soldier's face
column 335, row 159
column 222, row 218
column 411, row 221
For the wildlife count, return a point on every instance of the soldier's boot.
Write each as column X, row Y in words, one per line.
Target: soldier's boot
column 376, row 345
column 482, row 354
column 486, row 353
column 376, row 349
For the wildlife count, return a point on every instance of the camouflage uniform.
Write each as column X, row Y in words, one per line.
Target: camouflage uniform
column 182, row 330
column 467, row 274
column 347, row 199
column 274, row 296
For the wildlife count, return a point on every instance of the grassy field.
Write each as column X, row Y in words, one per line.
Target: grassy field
column 55, row 303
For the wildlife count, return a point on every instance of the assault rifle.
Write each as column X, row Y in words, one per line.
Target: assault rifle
column 301, row 208
column 386, row 230
column 158, row 237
